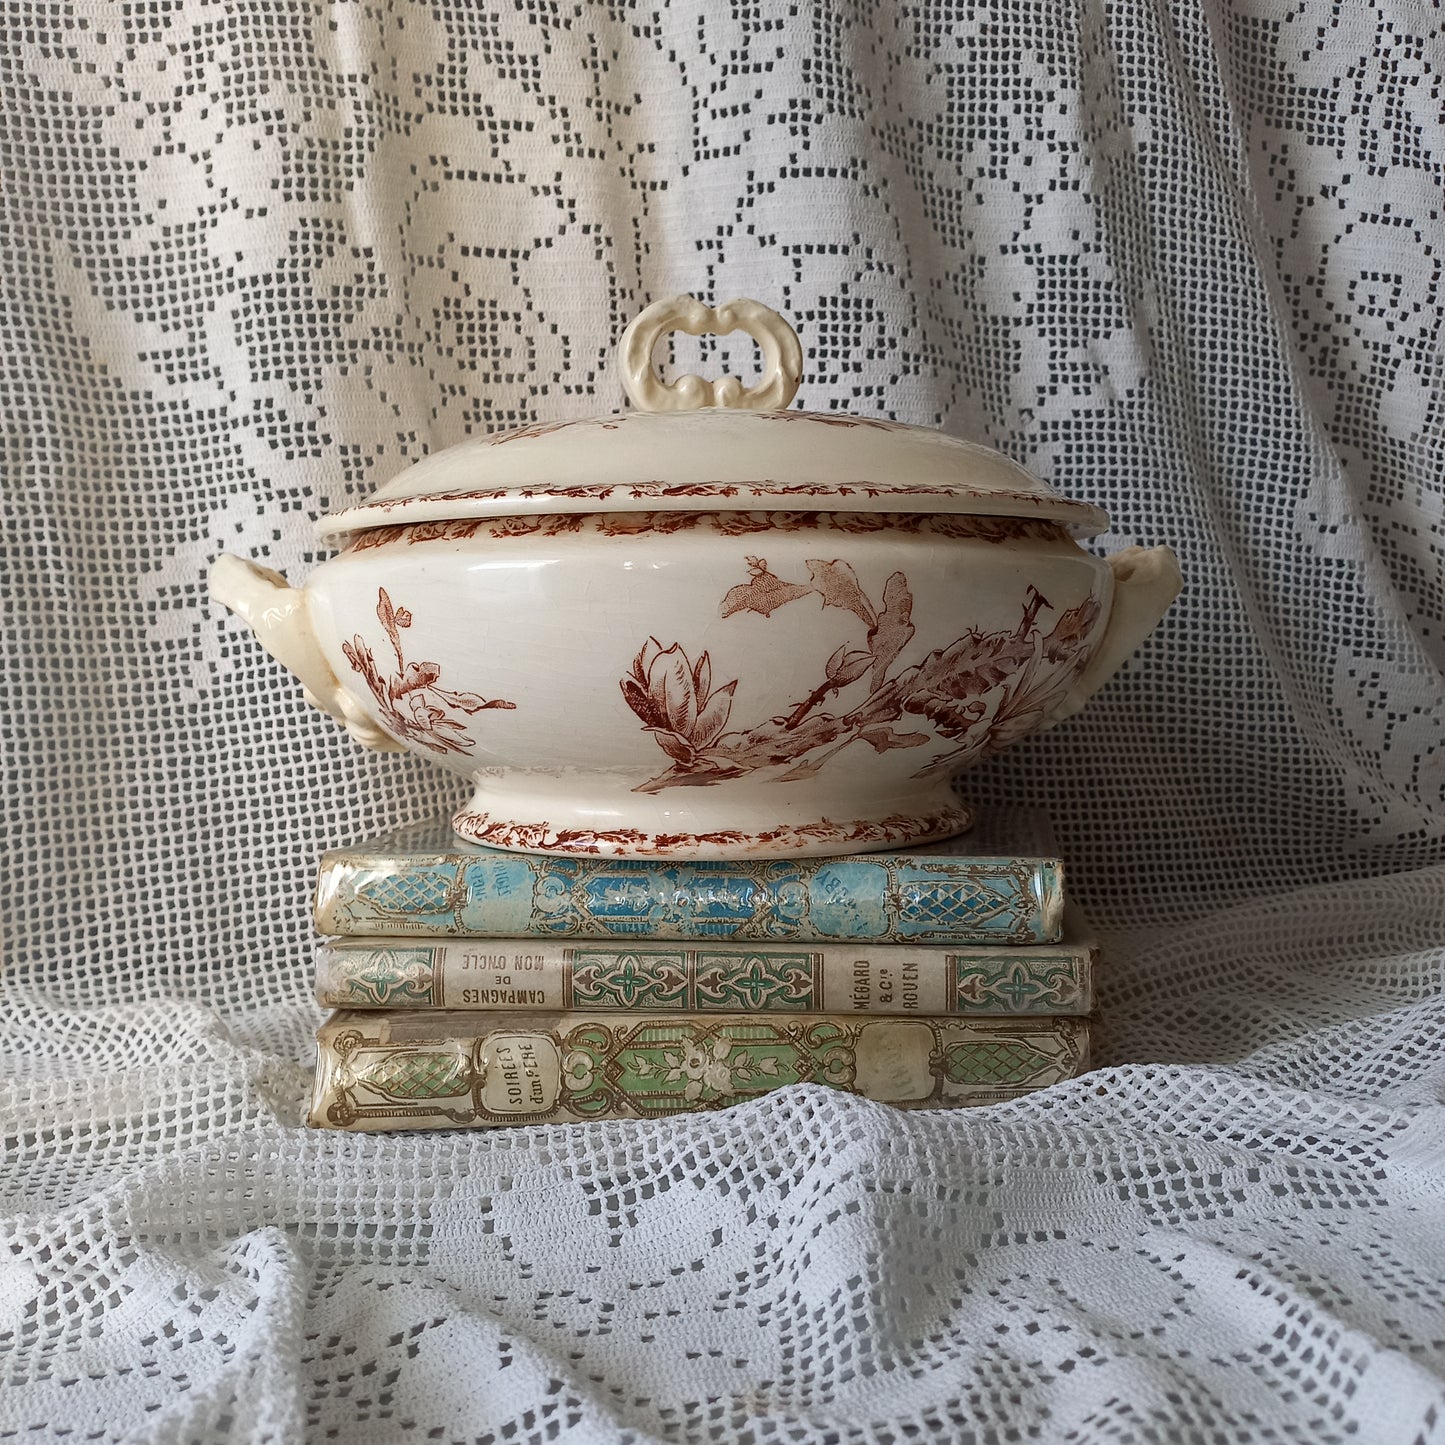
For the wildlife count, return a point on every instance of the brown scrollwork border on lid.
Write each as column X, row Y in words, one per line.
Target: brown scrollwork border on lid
column 729, row 524
column 763, row 490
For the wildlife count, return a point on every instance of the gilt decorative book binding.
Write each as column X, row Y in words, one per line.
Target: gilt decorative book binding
column 723, row 977
column 425, row 1069
column 1000, row 884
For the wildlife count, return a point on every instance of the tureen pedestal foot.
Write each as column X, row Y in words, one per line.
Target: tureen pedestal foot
column 548, row 816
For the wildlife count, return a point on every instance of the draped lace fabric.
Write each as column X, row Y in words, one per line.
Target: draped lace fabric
column 1183, row 261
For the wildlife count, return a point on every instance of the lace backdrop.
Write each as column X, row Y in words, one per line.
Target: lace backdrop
column 1183, row 261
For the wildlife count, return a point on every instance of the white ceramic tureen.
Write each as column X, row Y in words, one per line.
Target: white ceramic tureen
column 711, row 626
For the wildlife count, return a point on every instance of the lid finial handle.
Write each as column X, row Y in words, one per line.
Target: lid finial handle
column 782, row 357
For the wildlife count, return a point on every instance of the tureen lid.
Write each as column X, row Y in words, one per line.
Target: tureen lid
column 697, row 446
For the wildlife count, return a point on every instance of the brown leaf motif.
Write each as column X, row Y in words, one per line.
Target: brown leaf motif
column 412, row 703
column 837, row 584
column 893, row 629
column 881, row 739
column 762, row 592
column 1072, row 629
column 417, row 674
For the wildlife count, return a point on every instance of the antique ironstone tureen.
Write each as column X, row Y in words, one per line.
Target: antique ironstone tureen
column 711, row 626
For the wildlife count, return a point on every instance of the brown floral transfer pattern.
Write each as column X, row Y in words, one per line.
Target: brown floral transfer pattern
column 728, row 524
column 413, row 705
column 978, row 694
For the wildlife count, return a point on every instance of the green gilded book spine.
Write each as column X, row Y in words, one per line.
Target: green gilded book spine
column 986, row 888
column 660, row 977
column 453, row 1070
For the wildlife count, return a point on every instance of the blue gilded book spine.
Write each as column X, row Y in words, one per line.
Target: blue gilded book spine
column 413, row 883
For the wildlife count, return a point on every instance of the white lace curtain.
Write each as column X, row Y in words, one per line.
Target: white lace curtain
column 1182, row 260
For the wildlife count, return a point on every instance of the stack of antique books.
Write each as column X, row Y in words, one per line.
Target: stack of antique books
column 472, row 987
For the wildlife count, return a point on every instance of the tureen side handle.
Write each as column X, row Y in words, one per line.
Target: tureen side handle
column 1146, row 581
column 277, row 613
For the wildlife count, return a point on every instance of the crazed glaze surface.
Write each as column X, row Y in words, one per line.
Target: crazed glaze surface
column 705, row 676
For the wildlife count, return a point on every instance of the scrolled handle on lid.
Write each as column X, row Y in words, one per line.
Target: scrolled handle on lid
column 782, row 357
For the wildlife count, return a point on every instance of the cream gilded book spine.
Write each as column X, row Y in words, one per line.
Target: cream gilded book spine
column 544, row 973
column 442, row 1070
